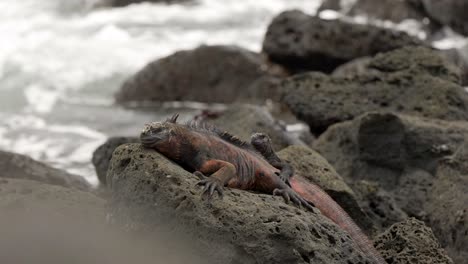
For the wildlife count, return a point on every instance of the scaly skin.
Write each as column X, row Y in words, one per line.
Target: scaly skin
column 235, row 164
column 315, row 195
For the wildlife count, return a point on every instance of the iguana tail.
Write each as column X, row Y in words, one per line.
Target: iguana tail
column 334, row 212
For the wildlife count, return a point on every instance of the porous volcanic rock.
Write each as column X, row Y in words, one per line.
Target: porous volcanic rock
column 392, row 10
column 310, row 165
column 243, row 227
column 402, row 154
column 221, row 74
column 411, row 241
column 103, row 154
column 447, row 206
column 19, row 166
column 413, row 80
column 302, row 43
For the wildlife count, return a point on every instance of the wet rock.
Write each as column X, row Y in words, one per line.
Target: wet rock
column 302, row 42
column 103, row 154
column 447, row 206
column 243, row 227
column 451, row 13
column 245, row 120
column 378, row 204
column 411, row 242
column 392, row 10
column 19, row 166
column 310, row 165
column 412, row 80
column 222, row 74
column 120, row 3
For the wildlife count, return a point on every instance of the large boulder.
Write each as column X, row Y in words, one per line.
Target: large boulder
column 103, row 154
column 19, row 166
column 412, row 80
column 222, row 74
column 402, row 154
column 302, row 42
column 243, row 227
column 411, row 241
column 310, row 165
column 451, row 13
column 392, row 10
column 447, row 206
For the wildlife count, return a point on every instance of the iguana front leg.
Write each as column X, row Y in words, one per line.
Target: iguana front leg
column 221, row 172
column 262, row 143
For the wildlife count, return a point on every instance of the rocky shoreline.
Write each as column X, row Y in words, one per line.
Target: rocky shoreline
column 387, row 141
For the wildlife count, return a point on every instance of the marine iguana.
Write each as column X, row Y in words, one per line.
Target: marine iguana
column 205, row 150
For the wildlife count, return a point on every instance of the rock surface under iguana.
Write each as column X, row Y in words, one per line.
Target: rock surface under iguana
column 243, row 227
column 309, row 164
column 103, row 154
column 410, row 80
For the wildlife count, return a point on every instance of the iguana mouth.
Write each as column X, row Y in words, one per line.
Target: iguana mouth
column 153, row 133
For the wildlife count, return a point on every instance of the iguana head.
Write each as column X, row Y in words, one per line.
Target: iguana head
column 155, row 134
column 262, row 143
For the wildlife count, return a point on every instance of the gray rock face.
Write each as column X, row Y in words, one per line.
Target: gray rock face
column 103, row 154
column 411, row 241
column 310, row 165
column 301, row 42
column 19, row 166
column 401, row 153
column 447, row 205
column 451, row 13
column 392, row 10
column 119, row 3
column 243, row 227
column 207, row 74
column 410, row 80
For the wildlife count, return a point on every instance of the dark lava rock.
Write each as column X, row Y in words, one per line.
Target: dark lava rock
column 19, row 166
column 392, row 10
column 411, row 242
column 412, row 80
column 402, row 154
column 103, row 154
column 310, row 165
column 245, row 120
column 222, row 74
column 448, row 204
column 452, row 13
column 459, row 57
column 387, row 148
column 119, row 3
column 243, row 227
column 378, row 204
column 302, row 42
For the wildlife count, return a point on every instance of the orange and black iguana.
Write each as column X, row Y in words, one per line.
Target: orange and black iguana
column 205, row 150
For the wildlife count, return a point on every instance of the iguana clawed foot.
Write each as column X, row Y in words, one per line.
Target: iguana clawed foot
column 290, row 195
column 210, row 184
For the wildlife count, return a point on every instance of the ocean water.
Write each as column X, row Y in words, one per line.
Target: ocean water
column 62, row 61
